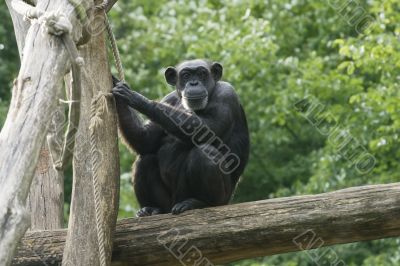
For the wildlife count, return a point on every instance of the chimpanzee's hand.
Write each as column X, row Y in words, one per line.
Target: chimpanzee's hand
column 124, row 94
column 115, row 81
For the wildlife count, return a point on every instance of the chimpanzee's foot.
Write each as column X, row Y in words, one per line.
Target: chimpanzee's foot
column 148, row 211
column 188, row 204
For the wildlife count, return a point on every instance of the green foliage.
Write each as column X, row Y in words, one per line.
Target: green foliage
column 277, row 53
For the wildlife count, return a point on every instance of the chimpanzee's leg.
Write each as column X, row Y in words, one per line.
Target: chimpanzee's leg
column 151, row 193
column 203, row 182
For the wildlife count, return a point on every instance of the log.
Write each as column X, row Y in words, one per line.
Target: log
column 225, row 234
column 83, row 246
column 46, row 196
column 35, row 93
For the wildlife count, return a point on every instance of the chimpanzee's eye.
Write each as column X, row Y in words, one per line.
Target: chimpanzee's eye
column 185, row 75
column 202, row 73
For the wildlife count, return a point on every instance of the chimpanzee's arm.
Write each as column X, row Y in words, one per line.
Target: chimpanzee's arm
column 142, row 137
column 218, row 118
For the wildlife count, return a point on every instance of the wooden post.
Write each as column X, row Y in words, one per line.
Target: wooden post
column 46, row 196
column 82, row 245
column 35, row 94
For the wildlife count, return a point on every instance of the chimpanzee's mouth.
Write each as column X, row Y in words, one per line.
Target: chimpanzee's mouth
column 195, row 103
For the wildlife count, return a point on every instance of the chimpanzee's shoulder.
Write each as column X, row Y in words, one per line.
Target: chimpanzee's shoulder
column 171, row 98
column 225, row 91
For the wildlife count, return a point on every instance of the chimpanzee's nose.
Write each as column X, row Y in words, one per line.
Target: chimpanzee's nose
column 194, row 83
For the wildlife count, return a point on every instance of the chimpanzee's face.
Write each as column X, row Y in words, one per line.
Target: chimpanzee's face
column 194, row 81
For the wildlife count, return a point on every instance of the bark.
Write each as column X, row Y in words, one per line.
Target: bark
column 110, row 4
column 46, row 196
column 82, row 245
column 21, row 27
column 44, row 63
column 225, row 234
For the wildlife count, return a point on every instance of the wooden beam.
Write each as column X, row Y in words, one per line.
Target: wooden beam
column 225, row 234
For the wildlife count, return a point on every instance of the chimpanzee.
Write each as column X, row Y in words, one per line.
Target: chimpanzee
column 195, row 145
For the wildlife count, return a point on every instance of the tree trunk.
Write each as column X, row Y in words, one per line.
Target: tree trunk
column 82, row 245
column 34, row 99
column 46, row 196
column 247, row 230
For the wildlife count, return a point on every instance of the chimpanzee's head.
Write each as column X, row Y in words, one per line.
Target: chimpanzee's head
column 194, row 81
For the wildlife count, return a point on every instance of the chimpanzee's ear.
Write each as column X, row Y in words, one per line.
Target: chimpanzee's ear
column 216, row 71
column 171, row 76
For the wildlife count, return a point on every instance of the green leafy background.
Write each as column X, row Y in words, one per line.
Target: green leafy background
column 275, row 53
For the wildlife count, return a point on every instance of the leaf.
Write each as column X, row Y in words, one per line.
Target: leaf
column 350, row 68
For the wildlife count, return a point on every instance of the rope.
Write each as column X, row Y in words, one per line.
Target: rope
column 80, row 11
column 98, row 108
column 84, row 20
column 102, row 6
column 117, row 58
column 115, row 50
column 57, row 24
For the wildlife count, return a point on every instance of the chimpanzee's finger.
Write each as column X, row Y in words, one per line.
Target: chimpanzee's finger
column 115, row 81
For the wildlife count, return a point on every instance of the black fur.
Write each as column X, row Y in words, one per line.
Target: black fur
column 195, row 145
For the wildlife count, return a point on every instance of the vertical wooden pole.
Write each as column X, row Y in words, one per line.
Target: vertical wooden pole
column 35, row 94
column 46, row 197
column 82, row 245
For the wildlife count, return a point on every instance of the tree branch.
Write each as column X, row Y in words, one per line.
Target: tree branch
column 108, row 4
